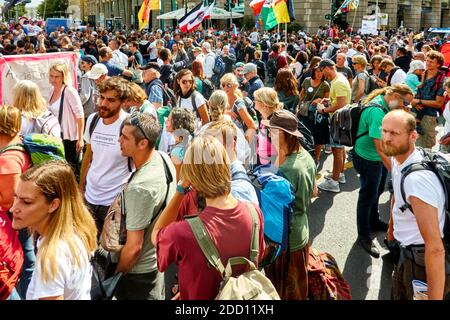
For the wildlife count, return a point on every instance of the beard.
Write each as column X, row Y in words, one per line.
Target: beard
column 391, row 151
column 106, row 113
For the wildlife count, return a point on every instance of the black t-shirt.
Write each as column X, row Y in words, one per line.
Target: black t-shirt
column 143, row 49
column 250, row 50
column 346, row 71
column 90, row 48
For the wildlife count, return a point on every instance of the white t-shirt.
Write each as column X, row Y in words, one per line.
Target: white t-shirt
column 446, row 116
column 187, row 104
column 398, row 77
column 421, row 184
column 208, row 65
column 109, row 169
column 71, row 281
column 54, row 107
column 153, row 51
column 297, row 67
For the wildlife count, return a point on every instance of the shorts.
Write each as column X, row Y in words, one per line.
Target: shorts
column 334, row 144
column 428, row 139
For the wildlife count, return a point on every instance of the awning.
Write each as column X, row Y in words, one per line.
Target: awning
column 216, row 14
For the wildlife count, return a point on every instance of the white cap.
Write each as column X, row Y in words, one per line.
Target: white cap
column 207, row 46
column 97, row 71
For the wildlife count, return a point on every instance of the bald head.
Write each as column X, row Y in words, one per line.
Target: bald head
column 404, row 120
column 398, row 134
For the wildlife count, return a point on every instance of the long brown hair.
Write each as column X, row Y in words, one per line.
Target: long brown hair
column 180, row 75
column 286, row 82
column 197, row 69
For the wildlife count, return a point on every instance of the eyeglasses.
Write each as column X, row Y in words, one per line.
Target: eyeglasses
column 186, row 81
column 228, row 85
column 134, row 120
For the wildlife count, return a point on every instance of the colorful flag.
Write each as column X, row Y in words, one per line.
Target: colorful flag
column 280, row 9
column 183, row 22
column 257, row 6
column 347, row 6
column 201, row 15
column 234, row 33
column 144, row 12
column 268, row 16
column 290, row 4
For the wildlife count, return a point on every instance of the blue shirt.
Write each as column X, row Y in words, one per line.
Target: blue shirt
column 154, row 93
column 429, row 92
column 113, row 70
column 241, row 189
column 252, row 85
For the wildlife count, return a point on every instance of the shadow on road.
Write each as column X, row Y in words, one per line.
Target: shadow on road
column 357, row 272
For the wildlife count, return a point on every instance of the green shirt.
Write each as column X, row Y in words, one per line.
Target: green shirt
column 300, row 169
column 371, row 121
column 144, row 197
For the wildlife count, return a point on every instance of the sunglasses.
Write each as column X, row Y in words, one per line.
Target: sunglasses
column 134, row 120
column 186, row 81
column 228, row 85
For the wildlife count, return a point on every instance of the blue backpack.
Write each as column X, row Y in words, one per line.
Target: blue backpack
column 276, row 197
column 219, row 66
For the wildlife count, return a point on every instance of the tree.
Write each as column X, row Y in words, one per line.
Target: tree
column 53, row 8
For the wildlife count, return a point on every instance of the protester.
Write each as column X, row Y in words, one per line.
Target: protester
column 286, row 87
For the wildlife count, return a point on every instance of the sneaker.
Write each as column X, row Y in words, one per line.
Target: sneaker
column 368, row 246
column 329, row 185
column 328, row 149
column 341, row 177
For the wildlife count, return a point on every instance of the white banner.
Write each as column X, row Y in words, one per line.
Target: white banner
column 34, row 67
column 369, row 25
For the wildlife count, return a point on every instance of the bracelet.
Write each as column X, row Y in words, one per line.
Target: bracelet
column 182, row 190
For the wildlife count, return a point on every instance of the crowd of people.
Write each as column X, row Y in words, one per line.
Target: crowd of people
column 202, row 109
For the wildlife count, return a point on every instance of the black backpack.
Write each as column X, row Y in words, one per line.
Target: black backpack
column 371, row 84
column 307, row 141
column 169, row 98
column 207, row 88
column 435, row 162
column 272, row 67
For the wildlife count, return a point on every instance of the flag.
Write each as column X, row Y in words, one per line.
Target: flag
column 144, row 12
column 257, row 6
column 200, row 16
column 183, row 22
column 281, row 12
column 268, row 16
column 347, row 5
column 290, row 4
column 234, row 32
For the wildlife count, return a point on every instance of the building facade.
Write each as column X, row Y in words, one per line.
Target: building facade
column 310, row 14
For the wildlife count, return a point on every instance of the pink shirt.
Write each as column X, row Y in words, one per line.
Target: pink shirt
column 72, row 111
column 265, row 149
column 231, row 232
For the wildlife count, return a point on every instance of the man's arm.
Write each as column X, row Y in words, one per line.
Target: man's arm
column 428, row 223
column 340, row 103
column 436, row 104
column 131, row 251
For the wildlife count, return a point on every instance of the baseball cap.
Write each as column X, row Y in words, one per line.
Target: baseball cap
column 90, row 59
column 97, row 71
column 416, row 65
column 238, row 65
column 207, row 46
column 150, row 65
column 326, row 63
column 283, row 120
column 249, row 67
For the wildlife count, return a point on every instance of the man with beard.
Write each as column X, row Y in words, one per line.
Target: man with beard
column 104, row 169
column 370, row 161
column 418, row 224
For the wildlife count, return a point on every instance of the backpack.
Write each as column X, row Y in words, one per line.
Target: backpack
column 11, row 257
column 371, row 84
column 169, row 98
column 325, row 280
column 114, row 232
column 194, row 104
column 276, row 197
column 208, row 88
column 345, row 122
column 307, row 141
column 272, row 69
column 334, row 53
column 435, row 162
column 40, row 148
column 251, row 285
column 47, row 124
column 219, row 66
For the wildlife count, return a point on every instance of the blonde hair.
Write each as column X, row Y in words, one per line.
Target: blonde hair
column 62, row 68
column 386, row 62
column 269, row 98
column 400, row 88
column 217, row 104
column 10, row 121
column 225, row 131
column 232, row 79
column 56, row 180
column 207, row 166
column 135, row 93
column 28, row 99
column 360, row 59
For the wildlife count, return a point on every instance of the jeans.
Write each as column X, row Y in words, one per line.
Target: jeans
column 28, row 262
column 145, row 286
column 372, row 178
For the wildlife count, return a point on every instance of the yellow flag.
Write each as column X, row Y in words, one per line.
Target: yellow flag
column 280, row 9
column 144, row 12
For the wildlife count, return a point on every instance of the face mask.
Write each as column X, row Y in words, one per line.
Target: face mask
column 393, row 104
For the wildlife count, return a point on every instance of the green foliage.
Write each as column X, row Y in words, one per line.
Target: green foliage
column 247, row 21
column 11, row 14
column 54, row 8
column 294, row 27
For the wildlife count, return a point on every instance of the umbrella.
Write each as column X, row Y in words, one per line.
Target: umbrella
column 217, row 13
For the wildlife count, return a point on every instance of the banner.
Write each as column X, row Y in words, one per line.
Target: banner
column 34, row 67
column 369, row 25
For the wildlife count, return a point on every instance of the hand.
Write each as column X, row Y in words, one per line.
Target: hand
column 80, row 145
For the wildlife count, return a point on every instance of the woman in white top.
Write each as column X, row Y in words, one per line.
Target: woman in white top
column 36, row 118
column 49, row 202
column 65, row 98
column 445, row 140
column 188, row 97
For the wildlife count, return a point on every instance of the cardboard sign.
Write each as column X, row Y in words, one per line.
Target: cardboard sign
column 34, row 67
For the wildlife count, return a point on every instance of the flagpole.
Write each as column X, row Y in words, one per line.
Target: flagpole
column 278, row 31
column 285, row 30
column 354, row 18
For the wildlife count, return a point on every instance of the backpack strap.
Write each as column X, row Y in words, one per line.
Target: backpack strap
column 15, row 147
column 194, row 104
column 169, row 180
column 363, row 108
column 61, row 108
column 206, row 245
column 239, row 175
column 93, row 124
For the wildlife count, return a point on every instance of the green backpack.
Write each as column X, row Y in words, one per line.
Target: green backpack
column 40, row 147
column 251, row 285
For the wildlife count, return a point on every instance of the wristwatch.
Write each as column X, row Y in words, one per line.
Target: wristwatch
column 182, row 190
